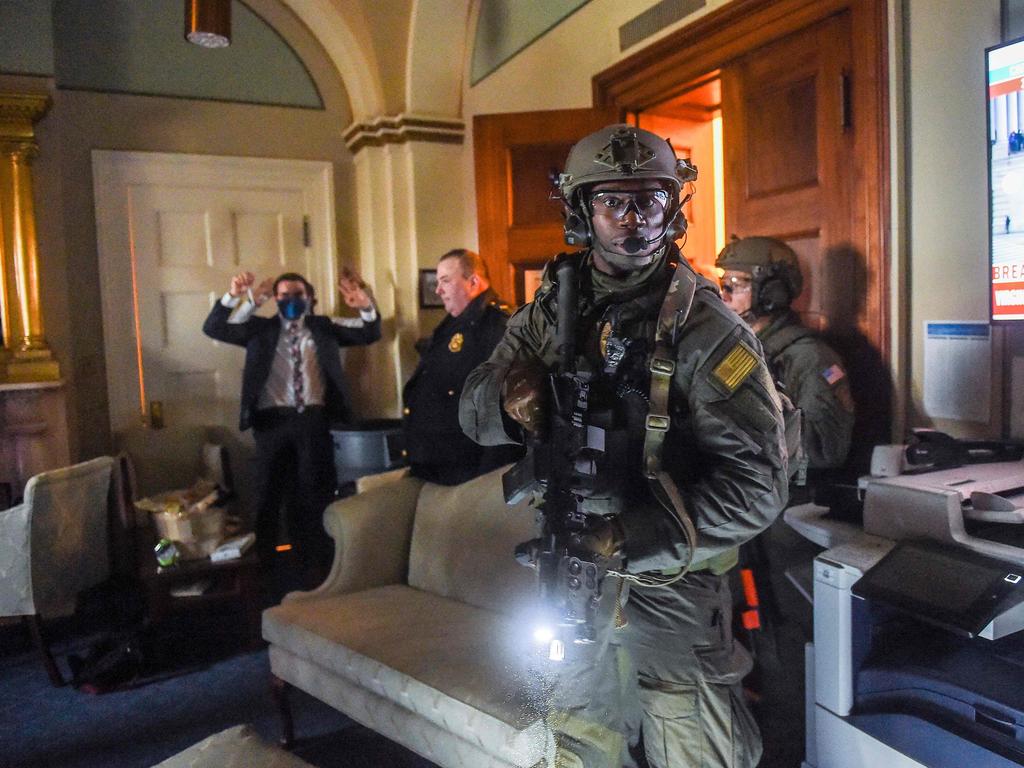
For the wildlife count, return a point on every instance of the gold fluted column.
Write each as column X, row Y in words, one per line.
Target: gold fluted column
column 26, row 354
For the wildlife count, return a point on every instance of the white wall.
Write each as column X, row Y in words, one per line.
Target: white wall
column 555, row 72
column 946, row 181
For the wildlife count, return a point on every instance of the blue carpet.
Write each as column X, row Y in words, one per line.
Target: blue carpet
column 42, row 726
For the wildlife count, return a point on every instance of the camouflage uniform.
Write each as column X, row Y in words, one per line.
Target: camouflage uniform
column 725, row 451
column 816, row 381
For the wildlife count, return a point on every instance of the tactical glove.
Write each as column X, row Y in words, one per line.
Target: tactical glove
column 523, row 393
column 604, row 536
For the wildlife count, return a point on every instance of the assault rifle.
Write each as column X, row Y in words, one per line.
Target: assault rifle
column 562, row 465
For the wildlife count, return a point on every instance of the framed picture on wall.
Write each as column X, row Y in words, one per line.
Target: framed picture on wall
column 428, row 290
column 527, row 281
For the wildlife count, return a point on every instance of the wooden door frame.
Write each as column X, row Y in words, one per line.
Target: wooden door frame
column 669, row 66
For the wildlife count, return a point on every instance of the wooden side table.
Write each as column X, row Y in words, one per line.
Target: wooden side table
column 234, row 586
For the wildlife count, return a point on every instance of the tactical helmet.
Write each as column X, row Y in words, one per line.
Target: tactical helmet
column 618, row 152
column 773, row 266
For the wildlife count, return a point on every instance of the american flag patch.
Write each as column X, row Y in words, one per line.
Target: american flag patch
column 735, row 367
column 833, row 374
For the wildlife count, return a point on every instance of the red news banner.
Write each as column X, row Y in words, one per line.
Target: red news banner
column 1008, row 290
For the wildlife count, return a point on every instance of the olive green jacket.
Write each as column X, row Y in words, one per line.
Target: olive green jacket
column 815, row 380
column 725, row 448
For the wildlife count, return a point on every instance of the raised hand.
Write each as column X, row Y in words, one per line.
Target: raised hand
column 241, row 283
column 263, row 291
column 354, row 291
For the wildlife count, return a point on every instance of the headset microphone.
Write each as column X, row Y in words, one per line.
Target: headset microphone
column 634, row 244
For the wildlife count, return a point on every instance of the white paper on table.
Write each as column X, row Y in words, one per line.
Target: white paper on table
column 958, row 370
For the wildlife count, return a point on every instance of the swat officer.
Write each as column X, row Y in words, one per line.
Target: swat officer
column 686, row 382
column 438, row 451
column 760, row 280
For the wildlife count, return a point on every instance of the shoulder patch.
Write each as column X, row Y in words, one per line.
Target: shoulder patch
column 735, row 366
column 833, row 374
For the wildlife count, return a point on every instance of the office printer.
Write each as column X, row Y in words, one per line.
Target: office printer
column 918, row 653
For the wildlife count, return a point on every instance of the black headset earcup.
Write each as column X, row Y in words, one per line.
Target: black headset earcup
column 774, row 295
column 577, row 230
column 677, row 227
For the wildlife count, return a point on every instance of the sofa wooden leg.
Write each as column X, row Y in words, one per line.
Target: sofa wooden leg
column 280, row 688
column 35, row 629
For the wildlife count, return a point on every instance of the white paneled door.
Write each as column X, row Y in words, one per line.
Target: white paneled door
column 172, row 230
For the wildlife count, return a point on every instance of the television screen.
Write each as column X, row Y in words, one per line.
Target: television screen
column 1005, row 68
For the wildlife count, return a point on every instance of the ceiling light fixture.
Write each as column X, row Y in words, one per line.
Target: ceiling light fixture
column 208, row 23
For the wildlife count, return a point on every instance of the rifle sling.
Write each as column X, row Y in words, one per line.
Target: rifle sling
column 674, row 311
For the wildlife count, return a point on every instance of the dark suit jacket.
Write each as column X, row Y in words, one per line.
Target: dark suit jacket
column 259, row 337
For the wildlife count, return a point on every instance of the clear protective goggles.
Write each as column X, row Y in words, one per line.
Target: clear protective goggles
column 617, row 203
column 735, row 283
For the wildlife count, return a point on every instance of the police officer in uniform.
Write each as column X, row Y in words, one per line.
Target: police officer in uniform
column 437, row 449
column 704, row 431
column 761, row 279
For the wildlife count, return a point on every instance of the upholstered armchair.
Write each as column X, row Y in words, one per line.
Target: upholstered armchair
column 54, row 545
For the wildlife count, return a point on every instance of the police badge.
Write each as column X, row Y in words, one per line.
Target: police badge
column 455, row 343
column 613, row 349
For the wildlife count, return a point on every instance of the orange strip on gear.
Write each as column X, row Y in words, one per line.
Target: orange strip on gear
column 749, row 587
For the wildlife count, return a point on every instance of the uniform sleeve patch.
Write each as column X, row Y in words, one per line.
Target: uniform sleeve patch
column 735, row 367
column 833, row 374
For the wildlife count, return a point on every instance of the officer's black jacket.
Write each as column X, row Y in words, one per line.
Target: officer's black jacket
column 437, row 448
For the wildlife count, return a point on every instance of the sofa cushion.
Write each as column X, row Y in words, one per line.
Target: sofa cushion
column 462, row 545
column 458, row 666
column 238, row 747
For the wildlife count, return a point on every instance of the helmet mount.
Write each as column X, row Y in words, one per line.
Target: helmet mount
column 624, row 153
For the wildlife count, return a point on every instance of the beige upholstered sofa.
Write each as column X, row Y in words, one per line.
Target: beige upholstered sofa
column 237, row 747
column 421, row 631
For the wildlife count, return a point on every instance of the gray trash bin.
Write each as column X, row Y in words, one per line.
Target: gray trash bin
column 366, row 448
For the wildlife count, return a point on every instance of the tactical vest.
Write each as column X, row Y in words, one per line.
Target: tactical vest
column 639, row 357
column 632, row 360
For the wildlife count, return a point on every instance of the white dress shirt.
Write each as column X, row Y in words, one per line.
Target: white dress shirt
column 279, row 389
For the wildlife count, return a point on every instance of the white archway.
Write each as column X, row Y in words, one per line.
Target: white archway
column 433, row 78
column 400, row 160
column 352, row 56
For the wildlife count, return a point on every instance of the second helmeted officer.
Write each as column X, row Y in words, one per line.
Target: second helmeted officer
column 761, row 279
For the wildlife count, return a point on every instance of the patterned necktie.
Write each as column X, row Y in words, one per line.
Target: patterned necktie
column 298, row 381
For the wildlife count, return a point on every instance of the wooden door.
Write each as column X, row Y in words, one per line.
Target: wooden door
column 788, row 142
column 792, row 161
column 172, row 229
column 517, row 157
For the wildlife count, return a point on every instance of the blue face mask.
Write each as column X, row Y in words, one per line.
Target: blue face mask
column 291, row 308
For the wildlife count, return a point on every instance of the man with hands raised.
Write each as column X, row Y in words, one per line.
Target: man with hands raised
column 293, row 388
